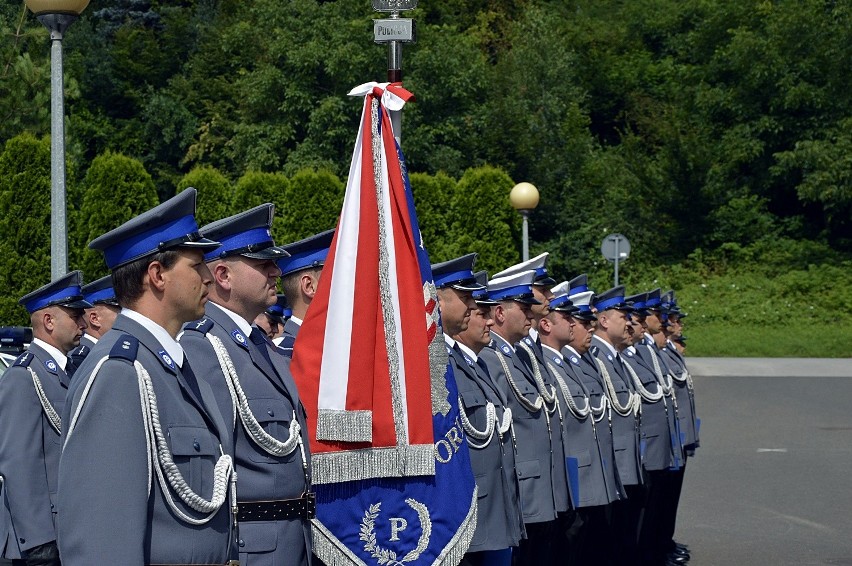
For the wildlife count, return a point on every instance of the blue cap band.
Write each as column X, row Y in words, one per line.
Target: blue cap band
column 639, row 304
column 107, row 294
column 584, row 308
column 68, row 293
column 148, row 241
column 510, row 293
column 560, row 300
column 579, row 289
column 240, row 240
column 454, row 277
column 651, row 303
column 301, row 261
column 603, row 305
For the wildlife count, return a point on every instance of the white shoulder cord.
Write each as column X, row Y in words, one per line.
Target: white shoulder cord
column 664, row 381
column 493, row 422
column 158, row 449
column 51, row 414
column 531, row 407
column 569, row 399
column 269, row 443
column 640, row 387
column 633, row 400
column 550, row 398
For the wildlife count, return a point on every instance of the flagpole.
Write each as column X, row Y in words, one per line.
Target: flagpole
column 394, row 31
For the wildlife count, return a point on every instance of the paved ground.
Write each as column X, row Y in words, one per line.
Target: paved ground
column 772, row 481
column 771, row 367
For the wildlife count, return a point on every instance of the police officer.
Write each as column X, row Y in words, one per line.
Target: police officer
column 483, row 413
column 530, row 351
column 260, row 399
column 300, row 273
column 610, row 338
column 99, row 318
column 32, row 397
column 145, row 473
column 512, row 320
column 595, row 540
column 583, row 459
column 656, row 429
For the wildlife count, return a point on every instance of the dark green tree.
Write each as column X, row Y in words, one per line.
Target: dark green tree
column 116, row 188
column 215, row 195
column 256, row 188
column 25, row 222
column 313, row 204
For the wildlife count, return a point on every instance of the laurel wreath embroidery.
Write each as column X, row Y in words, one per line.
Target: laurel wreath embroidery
column 386, row 556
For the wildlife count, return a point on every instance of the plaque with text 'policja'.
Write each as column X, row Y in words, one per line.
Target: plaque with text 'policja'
column 393, row 29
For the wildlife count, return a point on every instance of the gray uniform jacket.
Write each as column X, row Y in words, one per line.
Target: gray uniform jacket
column 499, row 518
column 625, row 429
column 78, row 354
column 532, row 461
column 29, row 452
column 649, row 353
column 579, row 434
column 273, row 401
column 561, row 491
column 685, row 398
column 112, row 509
column 655, row 436
column 585, row 371
column 289, row 333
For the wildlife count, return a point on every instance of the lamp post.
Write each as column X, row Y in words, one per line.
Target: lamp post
column 57, row 15
column 524, row 199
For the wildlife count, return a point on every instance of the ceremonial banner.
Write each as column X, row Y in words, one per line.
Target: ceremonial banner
column 389, row 460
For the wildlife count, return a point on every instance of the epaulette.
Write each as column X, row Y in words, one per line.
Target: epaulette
column 203, row 325
column 125, row 348
column 24, row 360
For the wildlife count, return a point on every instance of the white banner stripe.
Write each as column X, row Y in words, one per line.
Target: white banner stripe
column 337, row 342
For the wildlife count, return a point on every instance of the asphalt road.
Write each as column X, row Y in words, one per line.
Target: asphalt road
column 772, row 480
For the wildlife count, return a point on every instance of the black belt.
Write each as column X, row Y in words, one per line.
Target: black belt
column 231, row 563
column 304, row 507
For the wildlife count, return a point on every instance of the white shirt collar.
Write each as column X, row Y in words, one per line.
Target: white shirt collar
column 573, row 350
column 632, row 349
column 60, row 358
column 91, row 338
column 468, row 351
column 450, row 342
column 241, row 323
column 607, row 344
column 558, row 353
column 297, row 320
column 172, row 348
column 533, row 334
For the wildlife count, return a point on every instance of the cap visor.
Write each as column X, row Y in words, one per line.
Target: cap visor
column 76, row 304
column 200, row 244
column 547, row 281
column 272, row 252
column 467, row 286
column 527, row 300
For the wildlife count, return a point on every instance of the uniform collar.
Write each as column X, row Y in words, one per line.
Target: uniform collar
column 600, row 340
column 497, row 334
column 172, row 348
column 241, row 323
column 54, row 352
column 552, row 351
column 467, row 351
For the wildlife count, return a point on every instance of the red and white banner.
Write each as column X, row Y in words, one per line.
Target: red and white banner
column 362, row 356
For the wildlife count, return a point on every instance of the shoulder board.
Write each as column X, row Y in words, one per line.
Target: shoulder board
column 125, row 348
column 202, row 325
column 24, row 360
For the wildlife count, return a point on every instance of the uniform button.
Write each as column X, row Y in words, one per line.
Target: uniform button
column 23, row 540
column 242, row 543
column 270, row 412
column 196, row 445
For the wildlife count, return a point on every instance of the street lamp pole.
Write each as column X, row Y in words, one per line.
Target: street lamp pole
column 524, row 199
column 57, row 15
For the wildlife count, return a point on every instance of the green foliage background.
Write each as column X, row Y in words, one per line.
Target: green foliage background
column 714, row 134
